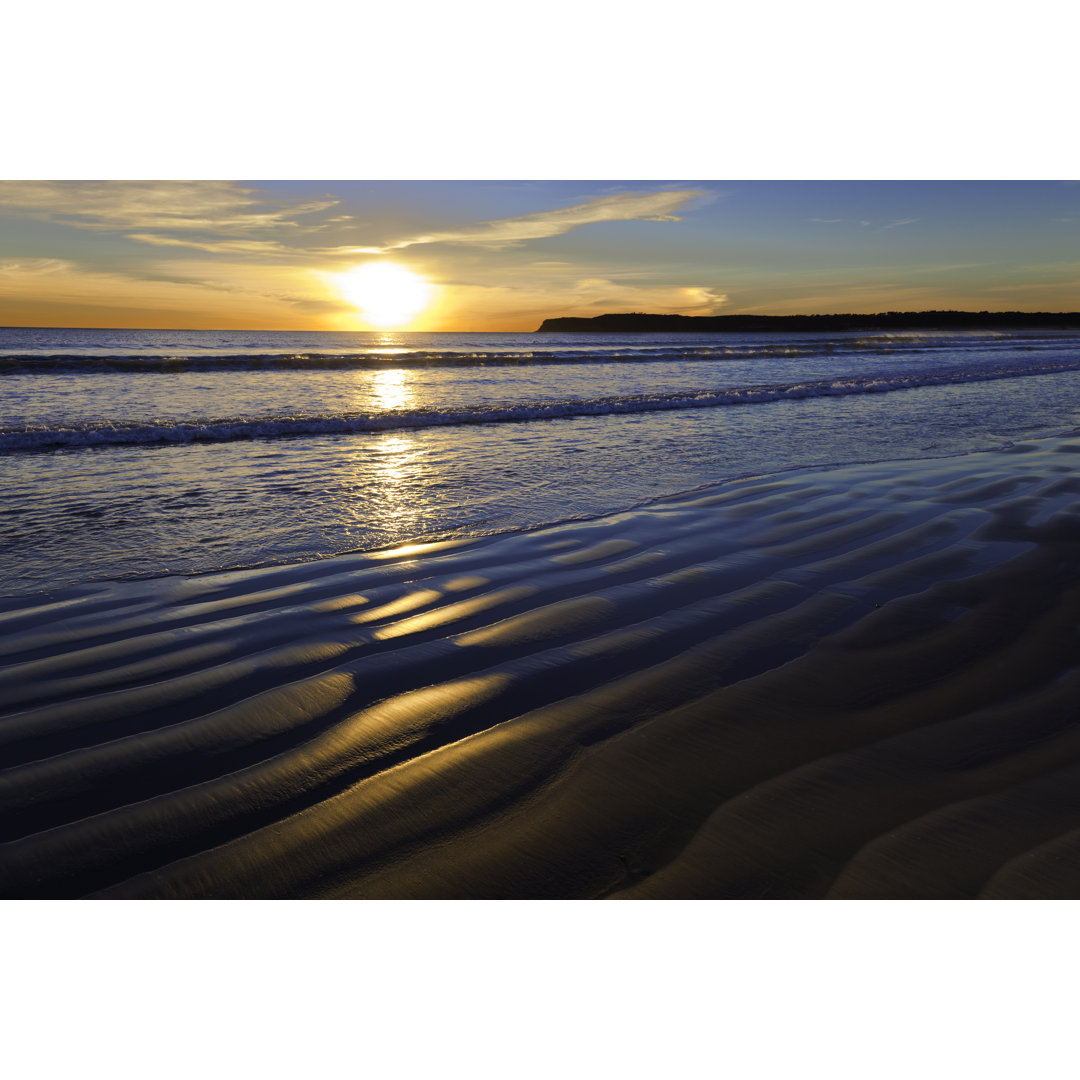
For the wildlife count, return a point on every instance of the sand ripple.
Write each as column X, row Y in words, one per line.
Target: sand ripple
column 852, row 684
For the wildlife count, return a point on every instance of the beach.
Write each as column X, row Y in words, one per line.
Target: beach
column 832, row 683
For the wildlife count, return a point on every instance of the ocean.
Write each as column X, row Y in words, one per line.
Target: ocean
column 131, row 453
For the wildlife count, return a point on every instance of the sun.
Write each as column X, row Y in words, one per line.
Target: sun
column 386, row 294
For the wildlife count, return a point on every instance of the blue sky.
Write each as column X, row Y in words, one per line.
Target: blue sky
column 491, row 255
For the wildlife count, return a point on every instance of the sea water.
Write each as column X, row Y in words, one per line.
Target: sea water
column 143, row 452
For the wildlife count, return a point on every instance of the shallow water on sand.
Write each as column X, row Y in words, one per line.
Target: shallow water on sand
column 853, row 683
column 139, row 452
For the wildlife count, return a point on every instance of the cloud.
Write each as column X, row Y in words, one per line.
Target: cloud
column 1033, row 286
column 349, row 250
column 217, row 247
column 226, row 218
column 521, row 301
column 605, row 292
column 864, row 224
column 949, row 267
column 222, row 295
column 253, row 247
column 23, row 267
column 509, row 232
column 217, row 206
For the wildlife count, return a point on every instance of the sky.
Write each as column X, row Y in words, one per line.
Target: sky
column 461, row 255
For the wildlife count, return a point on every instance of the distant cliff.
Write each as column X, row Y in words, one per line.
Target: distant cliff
column 638, row 322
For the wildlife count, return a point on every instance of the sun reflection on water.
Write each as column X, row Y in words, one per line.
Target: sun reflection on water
column 392, row 389
column 388, row 345
column 392, row 459
column 388, row 490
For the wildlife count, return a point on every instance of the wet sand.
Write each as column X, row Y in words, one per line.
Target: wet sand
column 858, row 683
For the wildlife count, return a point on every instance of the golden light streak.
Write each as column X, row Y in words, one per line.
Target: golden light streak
column 392, row 389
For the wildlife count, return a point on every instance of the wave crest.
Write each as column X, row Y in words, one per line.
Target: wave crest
column 379, row 359
column 29, row 437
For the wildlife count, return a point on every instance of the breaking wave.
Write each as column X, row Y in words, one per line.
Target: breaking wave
column 29, row 437
column 622, row 353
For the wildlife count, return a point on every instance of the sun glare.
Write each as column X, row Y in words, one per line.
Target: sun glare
column 386, row 294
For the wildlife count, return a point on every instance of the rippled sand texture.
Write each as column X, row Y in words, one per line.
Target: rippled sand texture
column 857, row 683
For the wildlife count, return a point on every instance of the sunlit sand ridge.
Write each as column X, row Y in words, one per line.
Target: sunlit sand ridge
column 857, row 683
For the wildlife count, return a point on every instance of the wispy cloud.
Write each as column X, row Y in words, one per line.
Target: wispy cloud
column 1034, row 286
column 949, row 267
column 217, row 247
column 222, row 295
column 620, row 295
column 254, row 247
column 863, row 224
column 33, row 266
column 213, row 206
column 509, row 232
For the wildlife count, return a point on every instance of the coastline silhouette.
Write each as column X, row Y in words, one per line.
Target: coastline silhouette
column 640, row 322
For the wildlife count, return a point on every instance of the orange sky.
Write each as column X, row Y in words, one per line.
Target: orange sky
column 505, row 255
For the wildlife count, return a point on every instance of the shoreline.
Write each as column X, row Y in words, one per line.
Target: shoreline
column 852, row 681
column 8, row 600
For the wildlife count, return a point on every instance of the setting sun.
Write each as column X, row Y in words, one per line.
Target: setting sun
column 386, row 294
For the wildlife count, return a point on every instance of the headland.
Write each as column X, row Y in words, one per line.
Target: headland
column 637, row 322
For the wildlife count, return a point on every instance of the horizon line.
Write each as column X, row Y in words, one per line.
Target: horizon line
column 526, row 330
